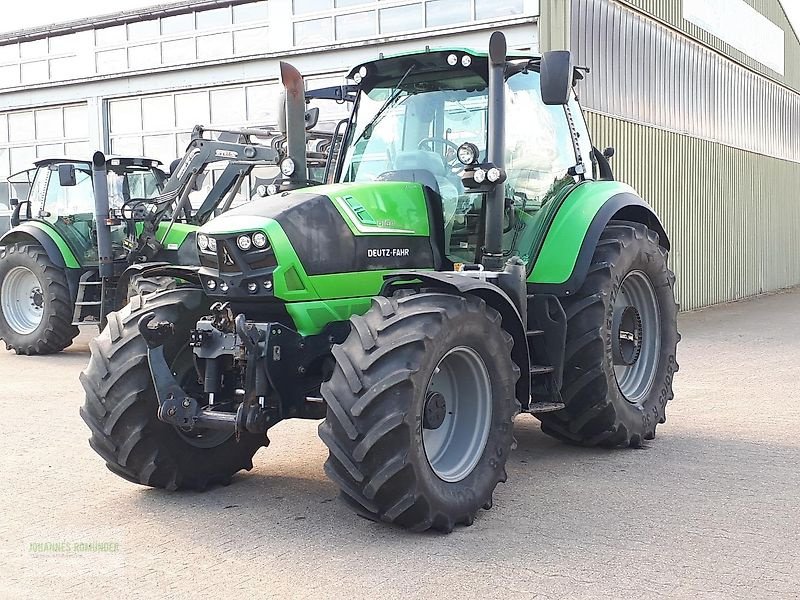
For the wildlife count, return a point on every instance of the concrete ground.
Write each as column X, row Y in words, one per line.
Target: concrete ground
column 710, row 509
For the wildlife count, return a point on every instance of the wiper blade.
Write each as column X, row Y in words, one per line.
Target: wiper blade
column 367, row 132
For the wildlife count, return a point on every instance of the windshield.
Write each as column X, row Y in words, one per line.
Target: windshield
column 424, row 122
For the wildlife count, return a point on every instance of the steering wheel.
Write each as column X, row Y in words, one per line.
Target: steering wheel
column 451, row 163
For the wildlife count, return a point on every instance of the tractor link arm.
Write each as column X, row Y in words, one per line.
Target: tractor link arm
column 175, row 406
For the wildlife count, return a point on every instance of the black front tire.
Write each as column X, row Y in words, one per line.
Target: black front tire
column 121, row 406
column 597, row 413
column 375, row 398
column 55, row 330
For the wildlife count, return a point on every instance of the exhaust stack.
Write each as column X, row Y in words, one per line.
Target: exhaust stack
column 100, row 181
column 496, row 154
column 295, row 119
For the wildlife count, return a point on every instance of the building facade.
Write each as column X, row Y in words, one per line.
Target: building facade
column 704, row 113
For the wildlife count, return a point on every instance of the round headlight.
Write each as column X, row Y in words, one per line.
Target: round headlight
column 479, row 175
column 357, row 78
column 467, row 153
column 287, row 167
column 223, row 286
column 452, row 60
column 494, row 174
column 362, row 71
column 267, row 284
column 212, row 244
column 244, row 242
column 202, row 241
column 252, row 287
column 272, row 189
column 259, row 240
column 466, row 60
column 212, row 285
column 261, row 190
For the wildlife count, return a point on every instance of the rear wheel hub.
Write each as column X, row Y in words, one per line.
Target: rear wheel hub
column 22, row 300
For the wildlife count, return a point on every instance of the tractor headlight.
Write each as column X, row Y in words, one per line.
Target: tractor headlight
column 466, row 60
column 467, row 153
column 479, row 175
column 287, row 166
column 261, row 190
column 260, row 240
column 272, row 189
column 495, row 175
column 202, row 241
column 212, row 285
column 452, row 60
column 212, row 244
column 244, row 242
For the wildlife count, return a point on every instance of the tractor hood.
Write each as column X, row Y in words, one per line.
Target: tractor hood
column 374, row 208
column 352, row 233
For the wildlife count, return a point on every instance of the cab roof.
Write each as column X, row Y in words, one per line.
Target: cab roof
column 137, row 161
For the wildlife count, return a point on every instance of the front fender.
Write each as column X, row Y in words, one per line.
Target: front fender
column 495, row 297
column 566, row 254
column 54, row 245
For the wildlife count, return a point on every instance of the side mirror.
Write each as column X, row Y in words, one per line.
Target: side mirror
column 555, row 77
column 311, row 117
column 609, row 152
column 66, row 175
column 15, row 217
column 13, row 203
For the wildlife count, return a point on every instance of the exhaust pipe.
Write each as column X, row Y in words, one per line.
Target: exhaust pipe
column 493, row 243
column 100, row 181
column 295, row 119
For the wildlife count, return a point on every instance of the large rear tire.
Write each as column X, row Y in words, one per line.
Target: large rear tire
column 622, row 336
column 421, row 406
column 121, row 406
column 35, row 303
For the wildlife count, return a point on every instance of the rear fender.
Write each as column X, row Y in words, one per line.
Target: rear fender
column 566, row 254
column 454, row 283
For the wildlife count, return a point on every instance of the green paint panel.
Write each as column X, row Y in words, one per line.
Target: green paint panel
column 69, row 258
column 175, row 234
column 380, row 208
column 311, row 317
column 560, row 250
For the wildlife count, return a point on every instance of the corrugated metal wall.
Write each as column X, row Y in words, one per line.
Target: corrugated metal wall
column 733, row 216
column 712, row 145
column 671, row 11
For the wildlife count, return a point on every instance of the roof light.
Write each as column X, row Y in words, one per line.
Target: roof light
column 452, row 60
column 466, row 60
column 479, row 175
column 494, row 174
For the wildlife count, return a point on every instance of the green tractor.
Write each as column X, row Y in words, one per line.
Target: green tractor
column 83, row 254
column 475, row 259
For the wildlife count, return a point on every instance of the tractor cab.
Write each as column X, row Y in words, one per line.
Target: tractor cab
column 60, row 193
column 424, row 118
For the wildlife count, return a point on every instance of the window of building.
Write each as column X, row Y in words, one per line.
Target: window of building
column 21, row 126
column 401, row 18
column 125, row 116
column 250, row 13
column 110, row 36
column 33, row 49
column 147, row 56
column 251, row 41
column 49, row 124
column 313, row 32
column 112, row 61
column 487, row 9
column 34, row 72
column 213, row 47
column 177, row 24
column 143, row 30
column 447, row 12
column 210, row 19
column 9, row 53
column 302, row 7
column 355, row 25
column 178, row 52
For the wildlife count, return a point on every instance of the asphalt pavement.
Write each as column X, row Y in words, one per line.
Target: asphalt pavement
column 709, row 509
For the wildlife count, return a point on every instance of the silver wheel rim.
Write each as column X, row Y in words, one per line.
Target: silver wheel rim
column 454, row 447
column 22, row 300
column 636, row 336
